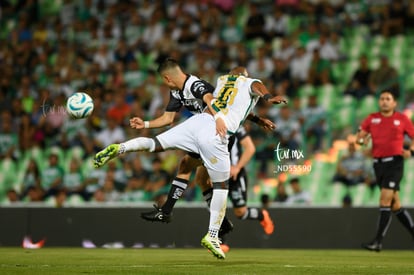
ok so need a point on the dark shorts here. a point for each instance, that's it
(389, 172)
(238, 189)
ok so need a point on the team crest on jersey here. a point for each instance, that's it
(376, 120)
(397, 122)
(176, 94)
(199, 86)
(213, 160)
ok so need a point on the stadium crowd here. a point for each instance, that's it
(110, 49)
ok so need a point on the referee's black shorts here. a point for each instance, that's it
(389, 172)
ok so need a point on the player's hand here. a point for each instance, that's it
(136, 123)
(266, 124)
(221, 127)
(406, 154)
(277, 100)
(234, 171)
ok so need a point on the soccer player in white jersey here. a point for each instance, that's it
(205, 141)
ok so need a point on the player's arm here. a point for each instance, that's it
(410, 151)
(206, 90)
(165, 119)
(261, 90)
(409, 130)
(265, 123)
(248, 151)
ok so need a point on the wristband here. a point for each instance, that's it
(267, 97)
(146, 124)
(255, 119)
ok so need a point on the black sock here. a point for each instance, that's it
(405, 218)
(176, 191)
(253, 214)
(383, 223)
(207, 196)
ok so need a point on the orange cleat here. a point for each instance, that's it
(267, 223)
(225, 247)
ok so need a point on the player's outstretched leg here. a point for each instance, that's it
(132, 145)
(106, 155)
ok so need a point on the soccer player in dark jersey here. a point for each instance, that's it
(387, 129)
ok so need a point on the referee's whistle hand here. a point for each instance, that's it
(406, 154)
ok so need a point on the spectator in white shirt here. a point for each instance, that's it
(299, 196)
(326, 49)
(299, 65)
(111, 134)
(276, 24)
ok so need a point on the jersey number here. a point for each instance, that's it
(226, 97)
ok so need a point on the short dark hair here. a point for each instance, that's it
(294, 180)
(168, 63)
(391, 91)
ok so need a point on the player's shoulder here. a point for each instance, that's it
(199, 85)
(402, 116)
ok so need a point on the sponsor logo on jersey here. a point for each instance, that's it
(195, 103)
(376, 120)
(397, 122)
(199, 86)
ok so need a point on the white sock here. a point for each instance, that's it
(138, 144)
(217, 211)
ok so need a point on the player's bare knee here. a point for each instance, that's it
(187, 164)
(158, 147)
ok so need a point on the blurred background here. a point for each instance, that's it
(329, 58)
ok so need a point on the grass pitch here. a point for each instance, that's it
(200, 261)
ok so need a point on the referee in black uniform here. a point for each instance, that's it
(387, 129)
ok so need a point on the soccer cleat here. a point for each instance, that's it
(225, 228)
(267, 223)
(106, 155)
(156, 215)
(373, 246)
(213, 244)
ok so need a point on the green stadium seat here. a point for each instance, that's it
(319, 182)
(337, 193)
(343, 117)
(50, 7)
(366, 106)
(409, 78)
(407, 188)
(327, 95)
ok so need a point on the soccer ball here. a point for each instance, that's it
(79, 105)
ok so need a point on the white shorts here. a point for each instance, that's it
(198, 135)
